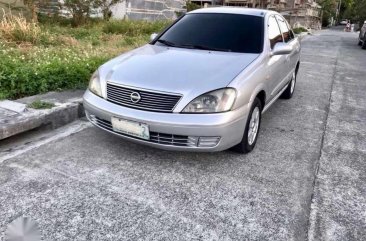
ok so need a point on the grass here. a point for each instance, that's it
(52, 56)
(38, 104)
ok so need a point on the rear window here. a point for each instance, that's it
(216, 31)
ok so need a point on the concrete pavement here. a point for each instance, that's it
(94, 186)
(16, 117)
(339, 207)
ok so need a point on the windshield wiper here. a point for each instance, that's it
(204, 47)
(190, 46)
(166, 42)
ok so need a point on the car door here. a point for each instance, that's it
(295, 42)
(276, 63)
(290, 59)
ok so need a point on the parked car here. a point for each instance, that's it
(200, 85)
(343, 22)
(362, 36)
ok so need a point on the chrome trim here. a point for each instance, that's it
(143, 89)
(135, 97)
(155, 101)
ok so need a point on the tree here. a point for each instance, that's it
(329, 9)
(31, 4)
(360, 11)
(191, 6)
(80, 10)
(105, 6)
(355, 10)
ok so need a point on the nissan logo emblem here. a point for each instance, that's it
(135, 97)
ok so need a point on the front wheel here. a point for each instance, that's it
(359, 43)
(251, 128)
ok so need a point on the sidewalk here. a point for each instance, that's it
(338, 211)
(16, 117)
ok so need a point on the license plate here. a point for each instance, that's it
(131, 128)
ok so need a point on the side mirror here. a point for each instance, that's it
(281, 49)
(153, 36)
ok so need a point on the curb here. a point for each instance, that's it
(61, 114)
(303, 35)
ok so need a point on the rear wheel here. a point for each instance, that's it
(289, 91)
(251, 131)
(359, 43)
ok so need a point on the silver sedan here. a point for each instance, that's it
(200, 85)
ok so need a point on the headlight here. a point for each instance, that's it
(94, 84)
(212, 102)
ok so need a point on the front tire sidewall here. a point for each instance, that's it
(244, 146)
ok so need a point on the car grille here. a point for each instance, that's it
(155, 137)
(151, 101)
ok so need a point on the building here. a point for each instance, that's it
(148, 9)
(303, 13)
(277, 5)
(206, 3)
(299, 13)
(125, 9)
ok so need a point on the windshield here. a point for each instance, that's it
(216, 31)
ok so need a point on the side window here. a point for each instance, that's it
(274, 33)
(292, 35)
(284, 29)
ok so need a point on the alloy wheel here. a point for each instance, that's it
(293, 81)
(253, 126)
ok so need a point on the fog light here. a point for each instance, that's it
(209, 141)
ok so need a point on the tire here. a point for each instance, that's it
(250, 136)
(359, 43)
(289, 91)
(364, 44)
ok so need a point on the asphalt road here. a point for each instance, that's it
(305, 179)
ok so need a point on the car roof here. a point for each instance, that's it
(234, 10)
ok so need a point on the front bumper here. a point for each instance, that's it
(229, 126)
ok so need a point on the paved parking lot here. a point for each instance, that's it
(305, 179)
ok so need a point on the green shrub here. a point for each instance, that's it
(299, 30)
(192, 6)
(133, 42)
(134, 28)
(54, 20)
(39, 104)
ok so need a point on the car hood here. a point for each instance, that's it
(188, 72)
